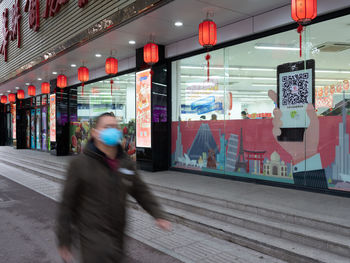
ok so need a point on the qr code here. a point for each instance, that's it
(295, 89)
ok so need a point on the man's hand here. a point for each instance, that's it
(163, 224)
(65, 254)
(311, 135)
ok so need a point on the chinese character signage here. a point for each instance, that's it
(143, 109)
(32, 7)
(53, 117)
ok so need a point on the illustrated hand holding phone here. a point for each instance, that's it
(299, 150)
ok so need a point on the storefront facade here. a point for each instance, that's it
(218, 120)
(226, 125)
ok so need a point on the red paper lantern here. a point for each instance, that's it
(303, 11)
(111, 66)
(83, 76)
(31, 90)
(20, 94)
(150, 53)
(45, 88)
(61, 81)
(12, 97)
(4, 99)
(207, 33)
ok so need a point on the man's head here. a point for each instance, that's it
(244, 114)
(106, 129)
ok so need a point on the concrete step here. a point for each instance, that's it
(43, 158)
(276, 247)
(34, 170)
(307, 235)
(291, 218)
(33, 163)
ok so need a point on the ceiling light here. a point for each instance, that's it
(132, 42)
(27, 83)
(73, 65)
(98, 55)
(178, 23)
(17, 87)
(9, 91)
(276, 47)
(55, 73)
(40, 79)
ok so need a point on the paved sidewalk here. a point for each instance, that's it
(182, 242)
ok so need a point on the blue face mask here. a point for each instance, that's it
(111, 136)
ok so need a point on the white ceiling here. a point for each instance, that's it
(160, 23)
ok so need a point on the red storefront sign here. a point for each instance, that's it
(15, 32)
(33, 7)
(82, 3)
(53, 7)
(5, 34)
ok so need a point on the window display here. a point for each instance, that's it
(230, 123)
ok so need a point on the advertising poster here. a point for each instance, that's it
(13, 115)
(28, 129)
(38, 122)
(143, 109)
(79, 135)
(53, 117)
(32, 129)
(44, 128)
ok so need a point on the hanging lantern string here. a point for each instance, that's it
(300, 31)
(207, 57)
(112, 87)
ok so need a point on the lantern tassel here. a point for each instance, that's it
(207, 57)
(300, 31)
(82, 89)
(112, 87)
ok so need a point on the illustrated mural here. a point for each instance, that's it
(249, 148)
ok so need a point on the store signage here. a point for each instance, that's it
(82, 3)
(53, 117)
(5, 34)
(16, 17)
(143, 109)
(53, 7)
(33, 8)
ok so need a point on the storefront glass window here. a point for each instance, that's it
(227, 124)
(96, 100)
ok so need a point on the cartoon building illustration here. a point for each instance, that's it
(341, 165)
(275, 167)
(202, 143)
(179, 148)
(231, 155)
(221, 156)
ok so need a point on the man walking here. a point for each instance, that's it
(94, 197)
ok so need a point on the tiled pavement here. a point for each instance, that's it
(182, 242)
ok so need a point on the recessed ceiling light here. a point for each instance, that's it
(178, 23)
(17, 87)
(132, 42)
(55, 73)
(27, 83)
(9, 91)
(98, 55)
(73, 65)
(40, 79)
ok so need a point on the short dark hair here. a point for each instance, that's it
(98, 118)
(243, 113)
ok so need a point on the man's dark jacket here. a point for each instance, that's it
(94, 201)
